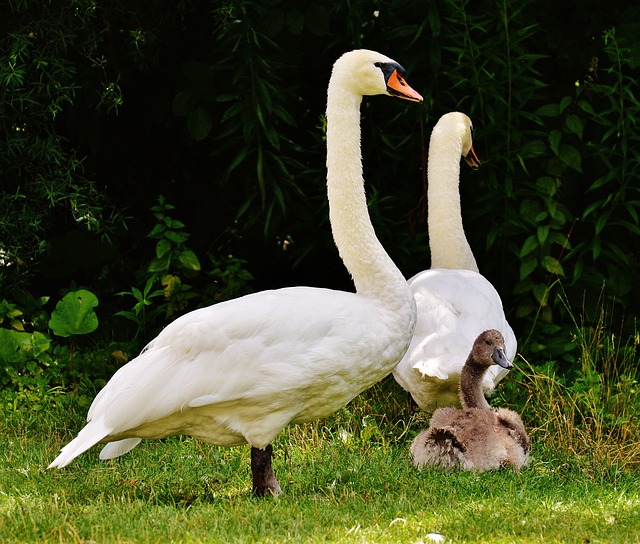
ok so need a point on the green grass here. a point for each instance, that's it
(348, 479)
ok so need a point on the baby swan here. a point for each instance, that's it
(476, 437)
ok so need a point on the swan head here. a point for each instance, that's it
(369, 73)
(488, 349)
(460, 124)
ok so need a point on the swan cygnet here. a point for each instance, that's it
(476, 437)
(239, 371)
(455, 302)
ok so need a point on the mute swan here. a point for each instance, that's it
(239, 371)
(476, 437)
(455, 302)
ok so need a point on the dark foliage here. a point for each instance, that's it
(218, 106)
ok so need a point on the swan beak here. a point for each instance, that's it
(397, 86)
(500, 358)
(472, 159)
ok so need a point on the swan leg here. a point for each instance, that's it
(264, 480)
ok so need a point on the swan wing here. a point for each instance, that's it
(291, 354)
(454, 307)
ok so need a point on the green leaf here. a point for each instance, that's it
(596, 249)
(183, 103)
(19, 347)
(199, 124)
(530, 244)
(578, 267)
(189, 260)
(137, 294)
(162, 247)
(157, 231)
(540, 217)
(434, 19)
(547, 184)
(177, 237)
(533, 148)
(74, 314)
(550, 110)
(571, 157)
(632, 208)
(159, 265)
(527, 266)
(554, 141)
(543, 233)
(238, 159)
(602, 221)
(174, 223)
(233, 111)
(541, 293)
(14, 346)
(574, 125)
(591, 208)
(586, 107)
(552, 265)
(564, 103)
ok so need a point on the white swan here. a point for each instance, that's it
(476, 437)
(455, 302)
(239, 371)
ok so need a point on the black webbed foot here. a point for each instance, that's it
(264, 480)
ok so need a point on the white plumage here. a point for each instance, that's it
(455, 302)
(239, 371)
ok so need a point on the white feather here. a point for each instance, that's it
(116, 449)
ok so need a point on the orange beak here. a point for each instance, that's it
(472, 159)
(397, 86)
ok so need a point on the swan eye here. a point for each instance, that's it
(389, 67)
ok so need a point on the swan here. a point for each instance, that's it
(239, 371)
(475, 437)
(455, 302)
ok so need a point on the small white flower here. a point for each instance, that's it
(435, 537)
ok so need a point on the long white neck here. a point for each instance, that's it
(447, 241)
(373, 272)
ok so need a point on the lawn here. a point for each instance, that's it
(347, 479)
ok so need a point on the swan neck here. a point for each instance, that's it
(447, 240)
(372, 270)
(471, 395)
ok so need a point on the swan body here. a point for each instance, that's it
(239, 371)
(475, 437)
(455, 302)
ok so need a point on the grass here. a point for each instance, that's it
(348, 479)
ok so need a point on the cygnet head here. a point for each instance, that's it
(488, 349)
(458, 123)
(370, 73)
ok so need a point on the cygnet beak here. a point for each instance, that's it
(500, 358)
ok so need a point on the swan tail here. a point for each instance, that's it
(87, 437)
(118, 448)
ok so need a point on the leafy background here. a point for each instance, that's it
(168, 155)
